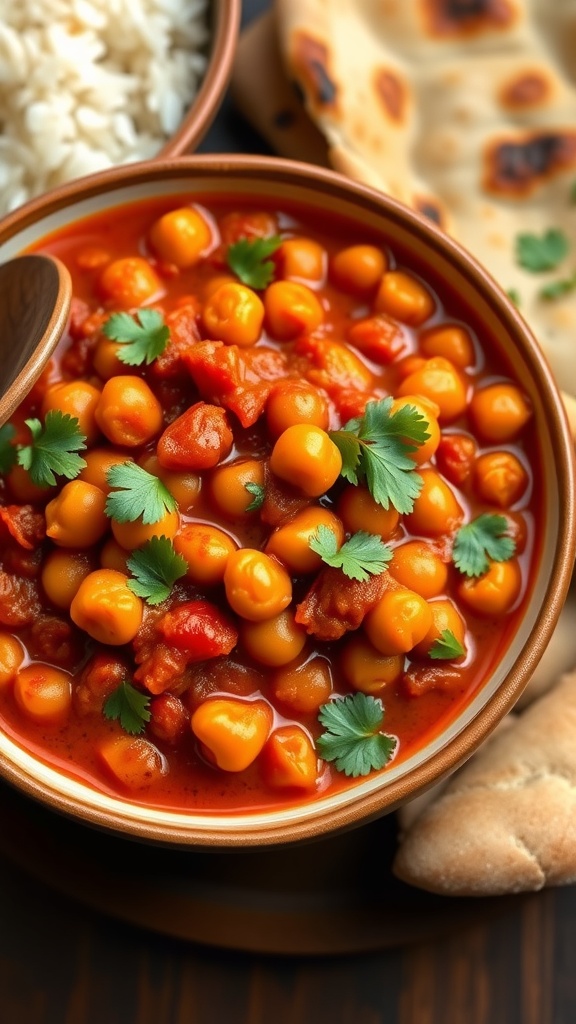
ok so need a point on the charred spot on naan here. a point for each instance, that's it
(431, 208)
(310, 62)
(517, 165)
(392, 92)
(458, 18)
(532, 87)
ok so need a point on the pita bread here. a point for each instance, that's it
(466, 112)
(515, 808)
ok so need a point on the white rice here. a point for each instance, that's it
(85, 84)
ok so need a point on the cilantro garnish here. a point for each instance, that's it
(129, 706)
(139, 494)
(248, 258)
(353, 739)
(155, 566)
(482, 539)
(514, 296)
(143, 337)
(360, 557)
(259, 493)
(446, 647)
(573, 192)
(536, 253)
(377, 447)
(556, 289)
(8, 451)
(53, 448)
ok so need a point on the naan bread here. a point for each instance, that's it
(463, 109)
(506, 822)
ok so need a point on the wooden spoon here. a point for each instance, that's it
(35, 295)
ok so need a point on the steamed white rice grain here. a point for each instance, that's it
(86, 84)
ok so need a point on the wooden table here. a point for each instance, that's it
(62, 963)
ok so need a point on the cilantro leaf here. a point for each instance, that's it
(155, 566)
(446, 647)
(536, 253)
(248, 258)
(573, 192)
(8, 452)
(557, 289)
(129, 706)
(259, 493)
(353, 739)
(360, 557)
(377, 447)
(53, 449)
(140, 494)
(143, 337)
(483, 538)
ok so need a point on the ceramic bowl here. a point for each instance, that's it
(254, 178)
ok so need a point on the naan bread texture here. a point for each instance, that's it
(466, 111)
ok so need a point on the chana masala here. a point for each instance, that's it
(268, 519)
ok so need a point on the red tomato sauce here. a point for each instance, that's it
(380, 325)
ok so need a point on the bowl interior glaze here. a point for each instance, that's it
(431, 250)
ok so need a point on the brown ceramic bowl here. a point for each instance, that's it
(225, 25)
(440, 260)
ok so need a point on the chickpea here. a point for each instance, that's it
(128, 412)
(307, 458)
(500, 478)
(92, 258)
(11, 658)
(301, 258)
(234, 314)
(291, 309)
(44, 693)
(75, 398)
(445, 616)
(106, 361)
(398, 622)
(23, 489)
(430, 412)
(294, 402)
(181, 237)
(206, 550)
(289, 760)
(416, 566)
(62, 574)
(436, 509)
(450, 341)
(499, 412)
(106, 609)
(495, 592)
(232, 731)
(358, 511)
(184, 486)
(134, 535)
(366, 670)
(257, 587)
(404, 297)
(273, 642)
(304, 687)
(214, 283)
(439, 381)
(114, 556)
(75, 518)
(99, 462)
(133, 761)
(358, 268)
(227, 486)
(290, 543)
(130, 282)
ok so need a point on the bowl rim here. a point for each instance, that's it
(224, 31)
(277, 172)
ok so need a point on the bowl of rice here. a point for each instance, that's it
(89, 84)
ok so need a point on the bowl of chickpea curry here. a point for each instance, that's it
(287, 520)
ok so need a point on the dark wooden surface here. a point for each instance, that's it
(61, 963)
